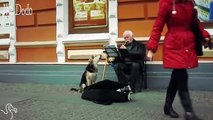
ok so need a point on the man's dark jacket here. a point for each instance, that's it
(136, 52)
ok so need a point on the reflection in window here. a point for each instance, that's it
(88, 16)
(205, 10)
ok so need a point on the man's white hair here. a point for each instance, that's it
(128, 32)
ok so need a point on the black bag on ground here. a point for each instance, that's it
(104, 92)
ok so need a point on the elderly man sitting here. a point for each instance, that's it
(128, 69)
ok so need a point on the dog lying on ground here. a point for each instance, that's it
(90, 74)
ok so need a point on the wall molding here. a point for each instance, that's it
(35, 44)
(4, 55)
(83, 54)
(86, 43)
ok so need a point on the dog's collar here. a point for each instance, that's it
(91, 68)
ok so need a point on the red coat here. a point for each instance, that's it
(179, 43)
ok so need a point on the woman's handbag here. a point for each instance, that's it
(198, 38)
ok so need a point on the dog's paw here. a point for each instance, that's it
(73, 89)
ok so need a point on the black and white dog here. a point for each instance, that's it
(90, 74)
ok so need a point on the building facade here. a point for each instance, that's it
(62, 31)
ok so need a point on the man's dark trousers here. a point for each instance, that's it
(128, 73)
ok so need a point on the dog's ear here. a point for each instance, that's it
(91, 58)
(100, 56)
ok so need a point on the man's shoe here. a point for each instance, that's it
(129, 96)
(125, 89)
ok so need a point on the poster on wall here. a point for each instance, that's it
(90, 13)
(4, 15)
(205, 10)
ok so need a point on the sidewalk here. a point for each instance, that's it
(56, 102)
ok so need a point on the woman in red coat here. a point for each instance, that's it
(179, 50)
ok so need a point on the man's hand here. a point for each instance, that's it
(150, 55)
(123, 47)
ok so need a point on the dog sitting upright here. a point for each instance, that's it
(90, 74)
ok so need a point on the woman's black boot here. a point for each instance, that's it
(191, 116)
(186, 102)
(170, 96)
(168, 110)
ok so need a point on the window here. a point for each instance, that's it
(94, 25)
(205, 12)
(99, 22)
(205, 15)
(88, 16)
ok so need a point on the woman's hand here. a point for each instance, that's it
(208, 43)
(207, 39)
(150, 55)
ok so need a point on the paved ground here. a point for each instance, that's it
(56, 102)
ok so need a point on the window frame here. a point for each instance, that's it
(62, 19)
(87, 28)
